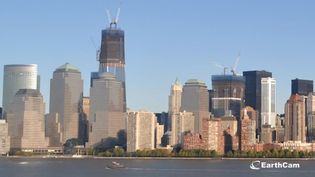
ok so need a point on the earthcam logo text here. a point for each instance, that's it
(258, 165)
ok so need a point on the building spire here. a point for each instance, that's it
(177, 81)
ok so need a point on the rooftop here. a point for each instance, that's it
(67, 67)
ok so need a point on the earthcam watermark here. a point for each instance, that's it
(258, 165)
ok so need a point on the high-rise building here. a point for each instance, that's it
(183, 122)
(174, 102)
(66, 92)
(211, 133)
(295, 119)
(311, 116)
(26, 121)
(16, 77)
(84, 120)
(253, 92)
(266, 134)
(228, 95)
(107, 116)
(195, 99)
(112, 55)
(268, 102)
(301, 87)
(248, 128)
(159, 133)
(140, 131)
(4, 138)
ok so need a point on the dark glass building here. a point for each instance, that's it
(301, 87)
(228, 95)
(253, 91)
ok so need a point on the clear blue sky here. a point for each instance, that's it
(165, 39)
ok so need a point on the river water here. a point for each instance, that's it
(37, 167)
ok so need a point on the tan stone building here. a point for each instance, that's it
(107, 117)
(174, 102)
(159, 132)
(141, 131)
(295, 129)
(26, 121)
(211, 133)
(183, 122)
(66, 92)
(195, 98)
(266, 134)
(247, 128)
(219, 134)
(4, 138)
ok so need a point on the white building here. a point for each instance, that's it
(268, 101)
(141, 131)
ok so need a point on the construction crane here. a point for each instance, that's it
(233, 69)
(113, 21)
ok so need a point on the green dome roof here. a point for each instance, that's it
(67, 67)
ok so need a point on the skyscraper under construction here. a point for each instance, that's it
(112, 55)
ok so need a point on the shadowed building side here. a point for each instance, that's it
(107, 117)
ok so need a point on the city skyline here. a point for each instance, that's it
(269, 39)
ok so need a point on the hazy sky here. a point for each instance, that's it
(164, 39)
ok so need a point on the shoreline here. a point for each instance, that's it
(151, 158)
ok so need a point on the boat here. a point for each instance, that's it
(23, 163)
(115, 165)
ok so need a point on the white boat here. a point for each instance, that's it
(115, 165)
(23, 163)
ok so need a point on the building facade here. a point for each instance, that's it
(16, 77)
(174, 102)
(295, 129)
(4, 138)
(26, 121)
(112, 55)
(107, 116)
(140, 131)
(268, 102)
(183, 122)
(311, 116)
(66, 92)
(195, 99)
(228, 98)
(247, 128)
(301, 87)
(253, 92)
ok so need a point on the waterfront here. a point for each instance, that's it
(37, 167)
